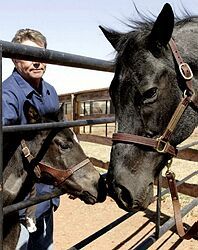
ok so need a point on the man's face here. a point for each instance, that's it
(31, 71)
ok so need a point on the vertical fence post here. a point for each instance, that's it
(76, 112)
(106, 112)
(72, 107)
(91, 113)
(84, 113)
(159, 197)
(1, 156)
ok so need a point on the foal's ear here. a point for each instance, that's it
(162, 29)
(112, 36)
(31, 113)
(61, 113)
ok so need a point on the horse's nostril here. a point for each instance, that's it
(125, 195)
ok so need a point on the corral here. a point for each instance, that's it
(17, 51)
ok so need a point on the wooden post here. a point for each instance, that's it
(76, 113)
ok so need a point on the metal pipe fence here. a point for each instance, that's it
(64, 124)
(18, 51)
(166, 226)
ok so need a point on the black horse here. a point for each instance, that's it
(49, 156)
(149, 83)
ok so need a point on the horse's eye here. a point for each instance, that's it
(150, 95)
(63, 145)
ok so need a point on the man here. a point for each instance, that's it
(26, 83)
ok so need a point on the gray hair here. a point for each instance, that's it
(30, 34)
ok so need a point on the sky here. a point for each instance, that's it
(71, 26)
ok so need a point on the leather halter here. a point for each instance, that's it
(58, 175)
(162, 144)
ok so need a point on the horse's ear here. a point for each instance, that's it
(162, 29)
(61, 113)
(112, 36)
(31, 113)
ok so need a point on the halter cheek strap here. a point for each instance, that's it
(59, 175)
(185, 71)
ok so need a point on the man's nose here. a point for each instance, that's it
(36, 65)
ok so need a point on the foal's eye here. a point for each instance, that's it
(150, 95)
(63, 145)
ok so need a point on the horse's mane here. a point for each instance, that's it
(140, 27)
(146, 22)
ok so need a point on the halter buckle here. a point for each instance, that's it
(185, 71)
(161, 145)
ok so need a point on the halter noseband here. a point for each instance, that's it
(162, 144)
(58, 175)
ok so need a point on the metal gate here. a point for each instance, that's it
(18, 51)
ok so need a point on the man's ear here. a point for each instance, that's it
(31, 113)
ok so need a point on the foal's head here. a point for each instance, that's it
(58, 157)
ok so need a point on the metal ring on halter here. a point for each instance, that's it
(168, 165)
(189, 70)
(185, 93)
(161, 145)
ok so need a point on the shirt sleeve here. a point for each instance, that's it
(10, 108)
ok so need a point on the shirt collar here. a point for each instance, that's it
(26, 87)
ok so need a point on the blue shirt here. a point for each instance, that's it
(15, 91)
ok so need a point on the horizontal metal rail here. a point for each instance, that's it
(188, 145)
(30, 53)
(171, 222)
(166, 226)
(64, 124)
(178, 183)
(34, 200)
(31, 201)
(57, 192)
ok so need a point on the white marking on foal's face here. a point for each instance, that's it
(75, 137)
(13, 184)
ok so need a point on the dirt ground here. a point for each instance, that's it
(75, 221)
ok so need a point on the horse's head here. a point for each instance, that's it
(62, 161)
(145, 91)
